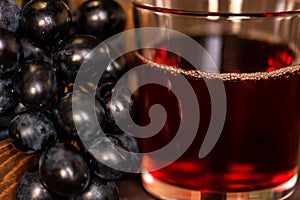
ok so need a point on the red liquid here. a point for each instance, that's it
(259, 142)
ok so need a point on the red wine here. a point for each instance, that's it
(259, 142)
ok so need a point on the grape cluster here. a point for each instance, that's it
(42, 46)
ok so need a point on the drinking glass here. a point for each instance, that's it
(246, 82)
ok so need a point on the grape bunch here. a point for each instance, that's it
(42, 46)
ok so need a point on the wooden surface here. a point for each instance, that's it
(13, 164)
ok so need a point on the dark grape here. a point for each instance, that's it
(36, 84)
(109, 162)
(24, 2)
(9, 15)
(32, 131)
(68, 58)
(101, 18)
(11, 52)
(33, 52)
(30, 187)
(114, 71)
(8, 100)
(120, 106)
(104, 92)
(45, 22)
(117, 107)
(130, 143)
(63, 170)
(99, 190)
(64, 119)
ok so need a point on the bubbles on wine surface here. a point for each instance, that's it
(237, 59)
(254, 76)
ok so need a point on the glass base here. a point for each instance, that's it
(166, 191)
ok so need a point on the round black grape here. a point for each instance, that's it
(117, 107)
(9, 15)
(130, 143)
(11, 52)
(68, 58)
(8, 99)
(24, 2)
(45, 22)
(6, 118)
(114, 71)
(64, 119)
(104, 92)
(109, 162)
(99, 190)
(63, 170)
(36, 84)
(32, 51)
(30, 187)
(32, 131)
(120, 107)
(101, 18)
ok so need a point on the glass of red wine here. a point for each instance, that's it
(246, 141)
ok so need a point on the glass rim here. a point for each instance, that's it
(185, 12)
